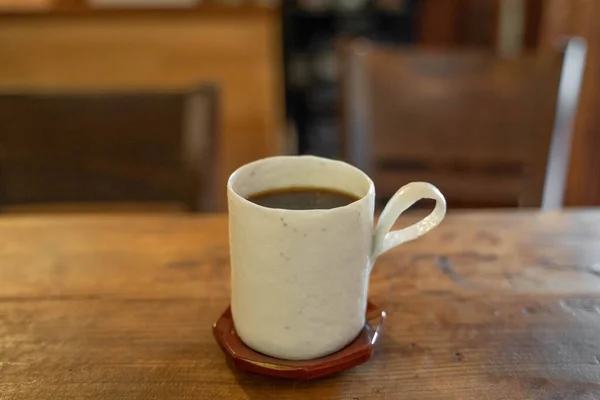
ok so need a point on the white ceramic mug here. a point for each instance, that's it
(299, 278)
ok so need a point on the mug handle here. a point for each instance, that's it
(405, 197)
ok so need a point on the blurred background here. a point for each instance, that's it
(149, 105)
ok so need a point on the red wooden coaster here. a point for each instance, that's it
(246, 359)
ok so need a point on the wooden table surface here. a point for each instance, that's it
(491, 305)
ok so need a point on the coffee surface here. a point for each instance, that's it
(302, 198)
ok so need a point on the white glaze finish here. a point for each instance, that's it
(299, 279)
(405, 197)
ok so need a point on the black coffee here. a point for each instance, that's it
(302, 198)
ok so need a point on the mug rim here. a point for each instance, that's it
(233, 176)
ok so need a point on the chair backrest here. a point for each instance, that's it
(477, 125)
(108, 148)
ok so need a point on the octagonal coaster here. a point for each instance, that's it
(246, 359)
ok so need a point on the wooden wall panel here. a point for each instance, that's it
(447, 23)
(533, 23)
(580, 17)
(438, 22)
(240, 52)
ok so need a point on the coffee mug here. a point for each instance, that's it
(300, 278)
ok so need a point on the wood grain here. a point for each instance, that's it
(238, 51)
(491, 305)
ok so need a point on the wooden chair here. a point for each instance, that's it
(488, 131)
(114, 151)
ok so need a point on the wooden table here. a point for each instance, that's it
(496, 305)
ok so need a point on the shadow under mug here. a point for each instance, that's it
(300, 278)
